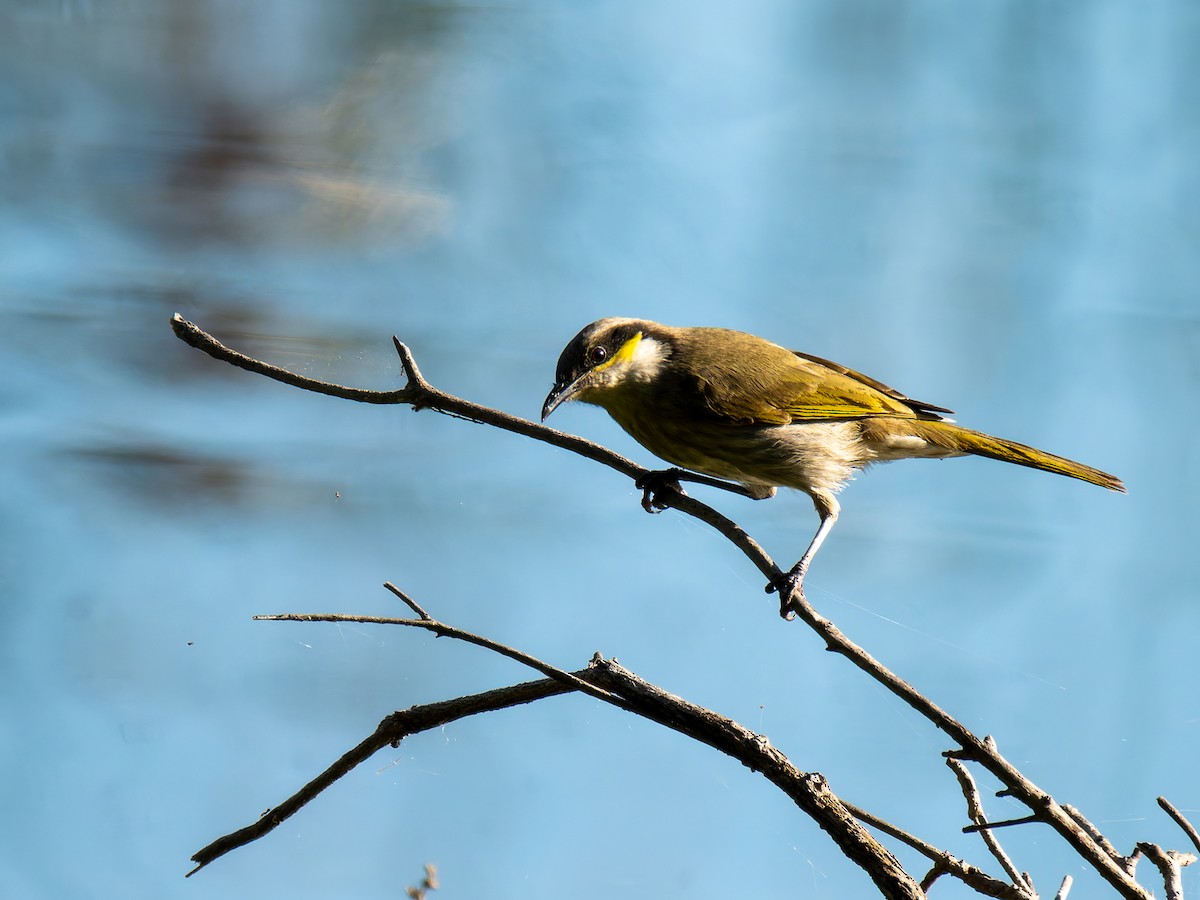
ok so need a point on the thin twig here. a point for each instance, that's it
(570, 680)
(607, 681)
(412, 604)
(390, 732)
(194, 336)
(1188, 828)
(976, 814)
(943, 862)
(980, 827)
(972, 747)
(1170, 864)
(809, 791)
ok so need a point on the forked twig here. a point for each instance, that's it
(943, 863)
(977, 815)
(420, 394)
(607, 681)
(1170, 865)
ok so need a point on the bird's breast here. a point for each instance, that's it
(812, 456)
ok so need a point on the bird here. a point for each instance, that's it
(740, 408)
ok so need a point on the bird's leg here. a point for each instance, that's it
(792, 584)
(660, 481)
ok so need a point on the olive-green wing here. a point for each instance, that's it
(779, 387)
(920, 407)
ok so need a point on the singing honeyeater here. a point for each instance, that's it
(738, 407)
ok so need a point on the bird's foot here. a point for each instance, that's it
(790, 587)
(654, 485)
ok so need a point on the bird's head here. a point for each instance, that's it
(605, 357)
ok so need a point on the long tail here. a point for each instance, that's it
(963, 440)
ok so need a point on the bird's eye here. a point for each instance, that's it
(597, 355)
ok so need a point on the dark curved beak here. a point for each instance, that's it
(560, 394)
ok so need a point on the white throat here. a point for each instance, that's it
(647, 361)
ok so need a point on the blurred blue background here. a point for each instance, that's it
(995, 210)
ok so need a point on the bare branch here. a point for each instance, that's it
(1188, 828)
(194, 336)
(411, 603)
(809, 791)
(1064, 888)
(1128, 863)
(976, 814)
(568, 679)
(972, 747)
(419, 394)
(931, 877)
(390, 732)
(980, 827)
(409, 365)
(1170, 863)
(943, 862)
(983, 751)
(608, 681)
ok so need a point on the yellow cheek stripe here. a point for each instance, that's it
(624, 355)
